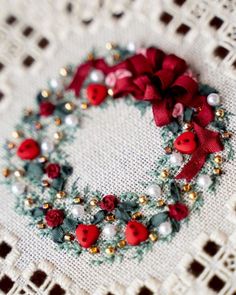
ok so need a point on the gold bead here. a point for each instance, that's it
(165, 173)
(137, 215)
(110, 92)
(58, 135)
(90, 56)
(17, 134)
(110, 45)
(143, 200)
(61, 195)
(84, 106)
(121, 244)
(93, 250)
(68, 237)
(45, 183)
(57, 121)
(77, 200)
(93, 202)
(63, 72)
(6, 172)
(110, 250)
(220, 113)
(11, 145)
(218, 159)
(45, 93)
(168, 150)
(187, 187)
(42, 159)
(110, 217)
(69, 106)
(160, 203)
(47, 206)
(188, 126)
(227, 134)
(153, 237)
(38, 126)
(28, 112)
(29, 202)
(41, 225)
(116, 56)
(192, 196)
(217, 171)
(19, 173)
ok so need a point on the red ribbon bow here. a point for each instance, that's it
(208, 142)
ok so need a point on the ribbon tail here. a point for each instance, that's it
(192, 168)
(162, 113)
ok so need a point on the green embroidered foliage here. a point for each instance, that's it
(122, 215)
(69, 224)
(175, 225)
(34, 170)
(66, 170)
(61, 110)
(58, 234)
(128, 205)
(99, 217)
(58, 183)
(157, 219)
(188, 114)
(175, 191)
(205, 89)
(174, 127)
(37, 212)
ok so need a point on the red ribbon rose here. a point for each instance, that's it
(54, 217)
(178, 211)
(53, 170)
(108, 203)
(46, 108)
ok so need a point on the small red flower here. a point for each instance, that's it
(109, 203)
(54, 217)
(46, 108)
(53, 170)
(178, 211)
(28, 149)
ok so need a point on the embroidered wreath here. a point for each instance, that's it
(193, 128)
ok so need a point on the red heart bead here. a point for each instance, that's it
(185, 143)
(87, 234)
(28, 150)
(135, 233)
(96, 93)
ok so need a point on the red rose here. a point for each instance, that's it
(46, 108)
(178, 211)
(28, 150)
(53, 170)
(54, 217)
(109, 203)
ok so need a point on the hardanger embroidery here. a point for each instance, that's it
(193, 126)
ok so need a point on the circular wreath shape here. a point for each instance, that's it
(194, 132)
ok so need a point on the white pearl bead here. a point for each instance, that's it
(78, 211)
(54, 84)
(97, 76)
(213, 99)
(18, 188)
(165, 229)
(176, 159)
(109, 230)
(204, 181)
(47, 145)
(71, 120)
(131, 47)
(154, 190)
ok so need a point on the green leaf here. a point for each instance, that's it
(174, 127)
(219, 125)
(60, 109)
(175, 191)
(66, 170)
(205, 89)
(37, 212)
(128, 205)
(70, 224)
(157, 219)
(99, 217)
(58, 183)
(34, 170)
(188, 114)
(122, 215)
(175, 225)
(58, 234)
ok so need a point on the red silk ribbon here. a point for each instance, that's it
(208, 142)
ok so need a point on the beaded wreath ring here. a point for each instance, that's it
(193, 126)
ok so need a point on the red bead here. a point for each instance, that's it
(96, 93)
(87, 234)
(28, 150)
(135, 233)
(185, 143)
